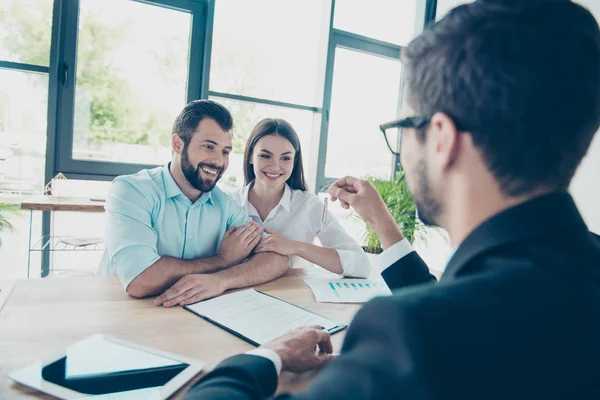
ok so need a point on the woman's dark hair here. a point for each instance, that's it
(280, 127)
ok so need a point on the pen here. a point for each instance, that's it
(324, 214)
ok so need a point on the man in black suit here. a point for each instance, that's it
(503, 100)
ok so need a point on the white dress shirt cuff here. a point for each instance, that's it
(394, 253)
(355, 263)
(268, 354)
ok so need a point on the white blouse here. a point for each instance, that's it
(298, 217)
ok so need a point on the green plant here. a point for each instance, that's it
(7, 209)
(400, 202)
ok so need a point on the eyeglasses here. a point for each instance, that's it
(410, 122)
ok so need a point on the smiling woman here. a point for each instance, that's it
(279, 134)
(276, 197)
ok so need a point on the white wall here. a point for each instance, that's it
(585, 187)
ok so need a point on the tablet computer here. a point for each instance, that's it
(109, 368)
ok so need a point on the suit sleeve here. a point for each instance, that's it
(383, 357)
(239, 377)
(406, 271)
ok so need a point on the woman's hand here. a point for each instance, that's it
(277, 243)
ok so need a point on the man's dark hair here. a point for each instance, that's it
(187, 121)
(522, 77)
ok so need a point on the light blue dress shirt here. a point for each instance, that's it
(149, 217)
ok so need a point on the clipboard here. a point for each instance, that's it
(225, 323)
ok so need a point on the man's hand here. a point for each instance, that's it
(276, 243)
(191, 289)
(298, 349)
(363, 197)
(237, 243)
(359, 194)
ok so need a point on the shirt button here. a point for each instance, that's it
(189, 237)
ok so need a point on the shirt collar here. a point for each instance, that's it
(172, 190)
(285, 202)
(206, 197)
(286, 199)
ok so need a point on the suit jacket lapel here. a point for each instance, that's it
(553, 213)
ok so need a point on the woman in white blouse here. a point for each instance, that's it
(275, 196)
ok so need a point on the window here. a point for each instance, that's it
(270, 49)
(245, 116)
(365, 94)
(592, 5)
(274, 69)
(23, 114)
(443, 6)
(23, 105)
(25, 31)
(132, 68)
(389, 21)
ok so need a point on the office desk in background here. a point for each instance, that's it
(48, 243)
(46, 203)
(43, 316)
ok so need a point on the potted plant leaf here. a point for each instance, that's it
(399, 201)
(6, 210)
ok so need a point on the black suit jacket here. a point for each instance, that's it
(516, 314)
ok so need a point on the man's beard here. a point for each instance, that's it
(428, 208)
(193, 174)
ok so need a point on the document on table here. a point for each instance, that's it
(256, 317)
(347, 290)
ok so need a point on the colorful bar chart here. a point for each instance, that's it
(346, 290)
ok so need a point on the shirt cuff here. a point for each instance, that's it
(355, 263)
(268, 354)
(394, 253)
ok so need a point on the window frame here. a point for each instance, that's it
(63, 59)
(66, 67)
(351, 41)
(354, 42)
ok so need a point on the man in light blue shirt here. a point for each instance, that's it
(170, 231)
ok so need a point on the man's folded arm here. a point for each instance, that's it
(259, 268)
(131, 242)
(162, 274)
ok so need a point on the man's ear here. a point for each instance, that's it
(177, 143)
(444, 133)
